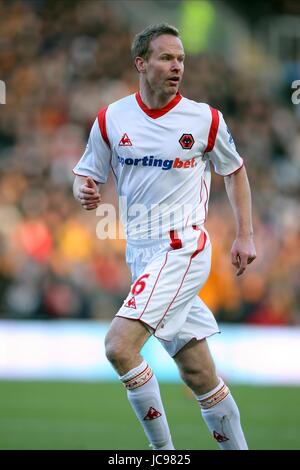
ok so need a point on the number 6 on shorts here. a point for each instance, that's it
(139, 285)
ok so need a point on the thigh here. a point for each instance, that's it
(129, 334)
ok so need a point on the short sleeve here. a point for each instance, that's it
(224, 156)
(95, 162)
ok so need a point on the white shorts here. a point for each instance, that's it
(167, 276)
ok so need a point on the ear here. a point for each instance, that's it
(140, 64)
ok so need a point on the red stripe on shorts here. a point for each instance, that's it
(175, 294)
(200, 247)
(166, 258)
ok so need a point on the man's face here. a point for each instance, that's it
(164, 68)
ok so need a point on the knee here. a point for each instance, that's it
(114, 349)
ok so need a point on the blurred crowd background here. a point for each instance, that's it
(63, 61)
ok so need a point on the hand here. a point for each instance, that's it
(242, 253)
(88, 195)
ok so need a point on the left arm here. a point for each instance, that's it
(238, 191)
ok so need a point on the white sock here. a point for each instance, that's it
(222, 417)
(144, 396)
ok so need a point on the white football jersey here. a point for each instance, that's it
(161, 161)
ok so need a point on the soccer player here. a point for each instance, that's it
(160, 146)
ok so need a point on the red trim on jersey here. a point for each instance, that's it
(156, 113)
(213, 130)
(102, 124)
(200, 244)
(176, 243)
(235, 171)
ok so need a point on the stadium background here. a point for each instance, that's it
(61, 62)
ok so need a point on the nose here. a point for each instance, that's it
(176, 65)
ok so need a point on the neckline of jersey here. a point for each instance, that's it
(156, 113)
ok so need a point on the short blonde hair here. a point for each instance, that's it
(141, 43)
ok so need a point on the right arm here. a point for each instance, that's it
(229, 164)
(92, 169)
(85, 190)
